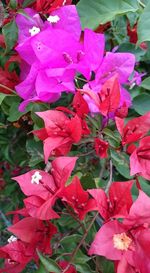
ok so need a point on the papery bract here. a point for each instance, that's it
(60, 132)
(42, 188)
(139, 211)
(107, 100)
(140, 159)
(135, 128)
(33, 231)
(101, 147)
(46, 6)
(118, 202)
(78, 198)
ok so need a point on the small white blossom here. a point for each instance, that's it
(34, 30)
(53, 19)
(12, 239)
(36, 177)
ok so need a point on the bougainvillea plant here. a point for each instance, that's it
(74, 136)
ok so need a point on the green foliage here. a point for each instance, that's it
(13, 4)
(10, 33)
(27, 3)
(141, 103)
(143, 25)
(146, 83)
(102, 11)
(35, 150)
(49, 264)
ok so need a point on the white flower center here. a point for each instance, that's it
(34, 30)
(12, 239)
(36, 177)
(121, 241)
(53, 19)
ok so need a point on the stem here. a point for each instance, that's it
(141, 3)
(102, 170)
(80, 79)
(81, 242)
(3, 217)
(84, 154)
(48, 167)
(7, 88)
(74, 217)
(110, 178)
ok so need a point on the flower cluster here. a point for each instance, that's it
(56, 56)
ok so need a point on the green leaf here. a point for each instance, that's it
(41, 269)
(84, 268)
(121, 162)
(131, 48)
(10, 32)
(35, 150)
(146, 83)
(81, 258)
(27, 3)
(145, 185)
(70, 242)
(2, 96)
(49, 264)
(143, 27)
(13, 4)
(141, 104)
(14, 114)
(95, 12)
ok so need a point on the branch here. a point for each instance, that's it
(7, 88)
(48, 167)
(81, 242)
(110, 178)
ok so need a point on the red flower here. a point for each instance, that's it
(108, 99)
(77, 198)
(101, 147)
(132, 33)
(134, 129)
(118, 202)
(60, 132)
(42, 188)
(16, 254)
(35, 232)
(32, 234)
(46, 6)
(140, 159)
(80, 105)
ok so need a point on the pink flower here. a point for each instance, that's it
(140, 159)
(60, 132)
(43, 188)
(128, 243)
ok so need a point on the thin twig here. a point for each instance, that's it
(48, 167)
(9, 89)
(80, 79)
(81, 242)
(84, 154)
(3, 217)
(110, 178)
